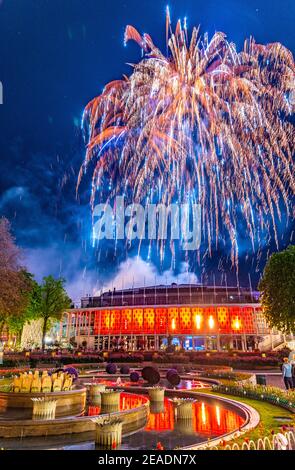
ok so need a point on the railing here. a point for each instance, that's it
(163, 299)
(279, 441)
(271, 342)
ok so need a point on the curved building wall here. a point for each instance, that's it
(101, 327)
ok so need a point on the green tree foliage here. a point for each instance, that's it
(15, 282)
(277, 288)
(15, 322)
(50, 302)
(21, 298)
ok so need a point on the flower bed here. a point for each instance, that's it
(238, 360)
(246, 361)
(125, 357)
(7, 373)
(171, 359)
(272, 395)
(32, 359)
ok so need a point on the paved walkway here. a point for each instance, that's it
(273, 377)
(275, 380)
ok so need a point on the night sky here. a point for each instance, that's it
(56, 55)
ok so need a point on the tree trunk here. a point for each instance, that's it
(2, 322)
(44, 329)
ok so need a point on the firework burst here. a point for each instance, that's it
(202, 122)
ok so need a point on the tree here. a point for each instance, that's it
(15, 283)
(277, 288)
(16, 322)
(52, 301)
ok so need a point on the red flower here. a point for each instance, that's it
(160, 446)
(114, 445)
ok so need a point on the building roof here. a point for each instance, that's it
(174, 294)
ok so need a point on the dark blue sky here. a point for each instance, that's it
(55, 55)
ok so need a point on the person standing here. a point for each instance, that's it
(293, 373)
(287, 374)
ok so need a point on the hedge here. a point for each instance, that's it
(273, 395)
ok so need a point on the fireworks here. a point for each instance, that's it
(204, 123)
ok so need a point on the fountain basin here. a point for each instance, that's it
(69, 403)
(133, 419)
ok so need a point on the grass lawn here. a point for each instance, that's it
(268, 414)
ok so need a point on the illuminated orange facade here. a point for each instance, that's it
(174, 320)
(145, 318)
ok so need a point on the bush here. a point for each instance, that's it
(111, 369)
(7, 373)
(173, 377)
(151, 375)
(171, 371)
(125, 370)
(238, 360)
(274, 395)
(72, 371)
(134, 377)
(171, 358)
(15, 363)
(148, 356)
(125, 357)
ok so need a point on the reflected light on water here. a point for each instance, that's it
(218, 415)
(207, 419)
(127, 402)
(203, 413)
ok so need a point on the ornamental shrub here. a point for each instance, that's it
(134, 377)
(151, 375)
(72, 371)
(125, 357)
(173, 377)
(111, 369)
(125, 370)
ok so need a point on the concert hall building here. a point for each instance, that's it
(192, 317)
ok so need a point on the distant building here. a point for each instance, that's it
(192, 317)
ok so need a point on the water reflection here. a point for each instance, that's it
(185, 384)
(206, 419)
(127, 402)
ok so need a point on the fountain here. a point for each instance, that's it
(44, 408)
(108, 432)
(157, 407)
(156, 394)
(33, 383)
(26, 389)
(95, 392)
(183, 408)
(110, 401)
